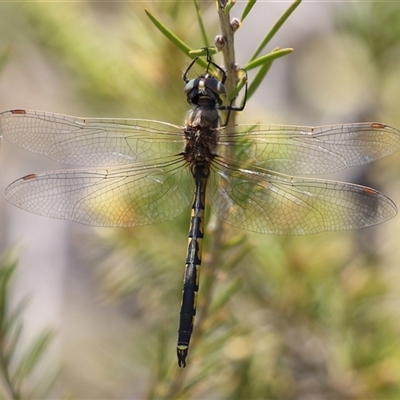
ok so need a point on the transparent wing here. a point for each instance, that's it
(266, 202)
(96, 142)
(285, 149)
(297, 150)
(132, 195)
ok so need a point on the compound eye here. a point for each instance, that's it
(193, 83)
(216, 86)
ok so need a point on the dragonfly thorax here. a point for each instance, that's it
(204, 115)
(201, 134)
(203, 120)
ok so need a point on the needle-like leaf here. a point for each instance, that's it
(201, 24)
(228, 6)
(265, 62)
(268, 58)
(247, 9)
(168, 33)
(33, 355)
(233, 94)
(275, 28)
(255, 83)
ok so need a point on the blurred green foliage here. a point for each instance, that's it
(287, 318)
(377, 26)
(19, 377)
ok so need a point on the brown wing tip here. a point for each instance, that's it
(30, 176)
(18, 111)
(378, 125)
(370, 190)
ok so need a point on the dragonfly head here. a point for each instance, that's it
(205, 86)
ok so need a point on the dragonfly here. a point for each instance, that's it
(140, 171)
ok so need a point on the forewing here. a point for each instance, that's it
(96, 142)
(120, 196)
(297, 150)
(272, 203)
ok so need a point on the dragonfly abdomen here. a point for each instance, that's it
(193, 262)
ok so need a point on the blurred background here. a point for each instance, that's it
(313, 317)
